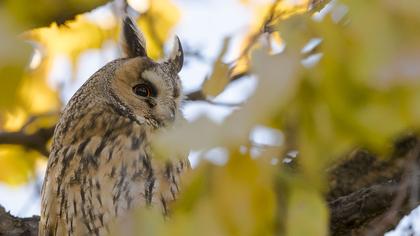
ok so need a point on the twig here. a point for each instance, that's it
(34, 118)
(262, 29)
(199, 95)
(194, 53)
(316, 5)
(225, 104)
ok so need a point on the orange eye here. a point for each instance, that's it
(142, 90)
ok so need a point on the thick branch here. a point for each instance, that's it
(367, 192)
(14, 226)
(351, 212)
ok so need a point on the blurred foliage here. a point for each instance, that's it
(12, 62)
(235, 199)
(42, 12)
(219, 79)
(16, 165)
(156, 23)
(363, 91)
(359, 89)
(73, 38)
(265, 14)
(26, 91)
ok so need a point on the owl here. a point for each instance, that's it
(101, 163)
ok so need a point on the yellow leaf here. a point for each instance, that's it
(244, 197)
(72, 38)
(307, 213)
(156, 24)
(236, 199)
(220, 75)
(265, 15)
(36, 94)
(16, 165)
(14, 120)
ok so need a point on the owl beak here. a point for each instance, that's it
(176, 58)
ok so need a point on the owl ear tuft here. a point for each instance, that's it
(176, 58)
(132, 40)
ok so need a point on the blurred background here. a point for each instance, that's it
(202, 27)
(48, 51)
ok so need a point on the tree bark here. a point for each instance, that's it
(14, 226)
(369, 195)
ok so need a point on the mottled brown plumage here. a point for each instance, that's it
(101, 164)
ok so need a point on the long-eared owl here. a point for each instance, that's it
(101, 163)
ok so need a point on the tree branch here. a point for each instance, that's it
(253, 38)
(350, 212)
(198, 95)
(369, 195)
(36, 141)
(14, 226)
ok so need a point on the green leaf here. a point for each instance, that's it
(14, 56)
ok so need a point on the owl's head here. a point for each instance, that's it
(149, 90)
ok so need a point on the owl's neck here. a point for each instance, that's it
(101, 121)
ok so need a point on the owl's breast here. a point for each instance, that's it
(99, 179)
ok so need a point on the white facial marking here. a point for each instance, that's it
(141, 119)
(150, 75)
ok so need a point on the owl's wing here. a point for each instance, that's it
(93, 181)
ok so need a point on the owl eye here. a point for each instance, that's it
(142, 90)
